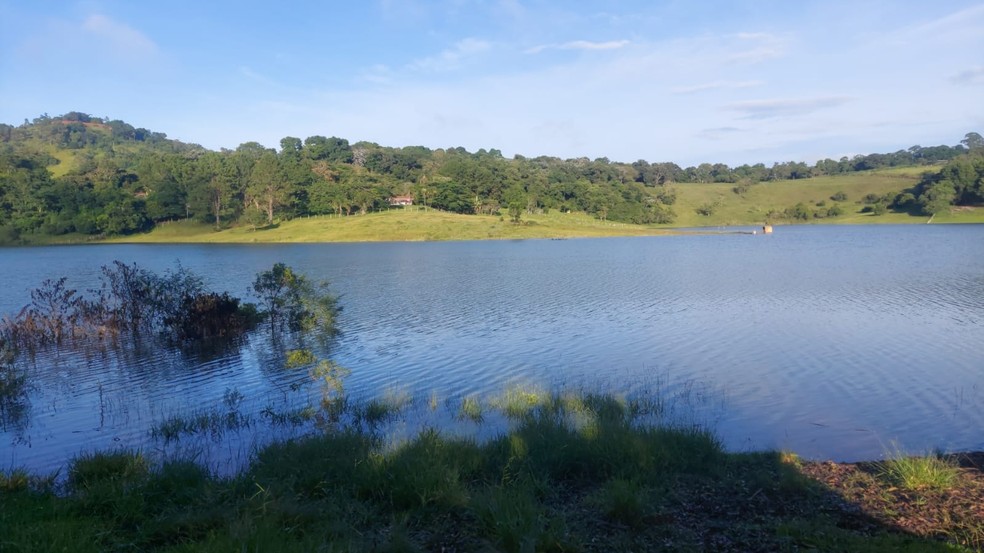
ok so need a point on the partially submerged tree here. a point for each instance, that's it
(290, 300)
(134, 301)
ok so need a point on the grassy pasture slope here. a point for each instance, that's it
(750, 208)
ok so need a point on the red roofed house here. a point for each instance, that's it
(401, 200)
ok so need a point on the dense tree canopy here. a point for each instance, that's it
(960, 182)
(82, 174)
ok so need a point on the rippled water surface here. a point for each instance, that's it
(834, 342)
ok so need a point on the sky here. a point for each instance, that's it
(741, 81)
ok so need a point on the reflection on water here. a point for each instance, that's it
(830, 341)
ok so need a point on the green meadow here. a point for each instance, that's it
(404, 224)
(751, 207)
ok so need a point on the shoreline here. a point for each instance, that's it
(395, 227)
(544, 482)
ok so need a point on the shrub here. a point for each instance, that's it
(706, 209)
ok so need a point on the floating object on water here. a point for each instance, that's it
(767, 229)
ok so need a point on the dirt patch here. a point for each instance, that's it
(954, 514)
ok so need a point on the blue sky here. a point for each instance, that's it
(683, 81)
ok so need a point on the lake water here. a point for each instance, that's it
(832, 341)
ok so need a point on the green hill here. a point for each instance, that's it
(77, 177)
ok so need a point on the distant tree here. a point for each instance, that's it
(451, 196)
(167, 202)
(267, 189)
(938, 197)
(516, 202)
(334, 150)
(973, 141)
(290, 145)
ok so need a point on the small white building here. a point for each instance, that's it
(401, 201)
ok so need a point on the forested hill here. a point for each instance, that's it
(91, 176)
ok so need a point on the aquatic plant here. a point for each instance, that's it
(517, 401)
(383, 408)
(471, 409)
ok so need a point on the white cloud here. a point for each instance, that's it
(716, 85)
(512, 8)
(718, 133)
(756, 48)
(125, 40)
(959, 25)
(452, 58)
(580, 45)
(692, 98)
(767, 109)
(377, 74)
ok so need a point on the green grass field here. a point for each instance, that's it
(413, 224)
(728, 209)
(752, 206)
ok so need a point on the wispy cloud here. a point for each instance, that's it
(964, 23)
(452, 58)
(580, 45)
(719, 133)
(972, 76)
(511, 8)
(125, 40)
(757, 47)
(715, 86)
(256, 76)
(767, 109)
(377, 74)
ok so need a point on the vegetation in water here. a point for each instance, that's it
(13, 390)
(291, 300)
(134, 302)
(572, 472)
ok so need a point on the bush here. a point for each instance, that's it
(800, 211)
(705, 209)
(875, 209)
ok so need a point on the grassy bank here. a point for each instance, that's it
(697, 205)
(412, 224)
(572, 473)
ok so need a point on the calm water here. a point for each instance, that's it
(835, 342)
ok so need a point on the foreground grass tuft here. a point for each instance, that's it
(930, 472)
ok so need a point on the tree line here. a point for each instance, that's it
(77, 173)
